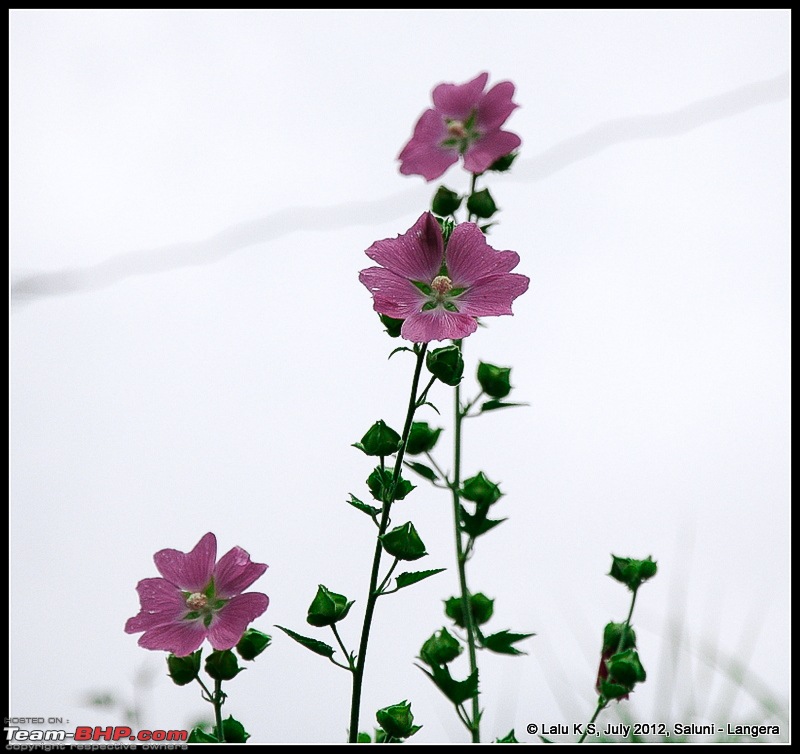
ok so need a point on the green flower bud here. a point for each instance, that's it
(392, 325)
(380, 485)
(482, 609)
(403, 542)
(633, 573)
(421, 438)
(440, 649)
(626, 669)
(222, 665)
(397, 720)
(380, 440)
(612, 634)
(184, 670)
(480, 490)
(481, 204)
(328, 608)
(613, 690)
(252, 644)
(494, 380)
(445, 201)
(446, 364)
(234, 731)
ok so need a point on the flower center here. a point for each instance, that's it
(457, 129)
(442, 285)
(197, 601)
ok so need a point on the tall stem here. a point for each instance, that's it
(218, 710)
(372, 596)
(461, 560)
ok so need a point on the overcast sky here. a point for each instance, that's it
(191, 350)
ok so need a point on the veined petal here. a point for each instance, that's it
(189, 571)
(230, 622)
(470, 258)
(495, 106)
(438, 324)
(416, 254)
(161, 603)
(423, 155)
(492, 296)
(489, 148)
(181, 638)
(394, 296)
(459, 100)
(235, 572)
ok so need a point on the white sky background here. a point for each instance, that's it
(212, 375)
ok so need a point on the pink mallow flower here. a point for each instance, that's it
(440, 293)
(198, 599)
(466, 121)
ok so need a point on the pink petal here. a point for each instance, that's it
(235, 572)
(231, 621)
(489, 148)
(493, 295)
(470, 258)
(181, 638)
(438, 324)
(160, 602)
(416, 254)
(394, 296)
(190, 572)
(495, 106)
(423, 155)
(459, 100)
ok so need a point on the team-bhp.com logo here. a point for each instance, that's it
(88, 733)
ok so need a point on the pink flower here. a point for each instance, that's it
(440, 293)
(464, 121)
(198, 599)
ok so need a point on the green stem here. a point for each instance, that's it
(344, 650)
(218, 709)
(461, 561)
(472, 191)
(601, 705)
(372, 595)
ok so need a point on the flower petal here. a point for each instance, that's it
(495, 106)
(459, 100)
(470, 258)
(416, 254)
(423, 155)
(235, 572)
(438, 324)
(394, 296)
(181, 638)
(189, 571)
(231, 621)
(492, 296)
(489, 148)
(161, 603)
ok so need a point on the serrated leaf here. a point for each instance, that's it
(502, 642)
(199, 736)
(319, 647)
(370, 510)
(456, 691)
(509, 738)
(423, 470)
(412, 577)
(493, 405)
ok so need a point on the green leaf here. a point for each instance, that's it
(409, 578)
(404, 542)
(501, 164)
(327, 608)
(456, 691)
(234, 731)
(503, 641)
(401, 348)
(319, 647)
(392, 325)
(370, 510)
(423, 470)
(493, 405)
(509, 738)
(478, 524)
